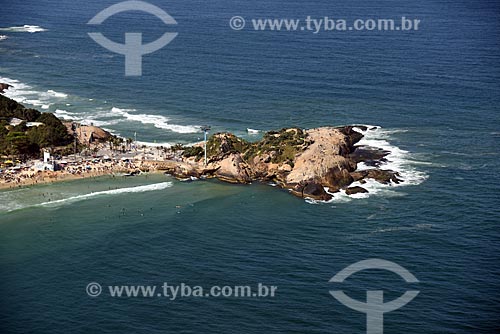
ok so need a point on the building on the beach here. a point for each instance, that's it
(32, 124)
(43, 166)
(15, 121)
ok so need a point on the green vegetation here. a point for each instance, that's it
(24, 142)
(281, 146)
(223, 143)
(193, 151)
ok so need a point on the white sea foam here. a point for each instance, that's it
(138, 189)
(18, 199)
(57, 94)
(25, 28)
(160, 122)
(26, 94)
(398, 160)
(64, 114)
(150, 144)
(3, 37)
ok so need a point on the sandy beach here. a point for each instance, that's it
(29, 176)
(44, 177)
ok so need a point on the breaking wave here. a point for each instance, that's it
(160, 122)
(138, 189)
(397, 160)
(99, 116)
(25, 28)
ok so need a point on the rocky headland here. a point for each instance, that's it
(309, 163)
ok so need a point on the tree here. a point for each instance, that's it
(129, 143)
(110, 142)
(19, 144)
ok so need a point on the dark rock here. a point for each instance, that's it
(356, 190)
(181, 172)
(336, 179)
(210, 171)
(3, 87)
(352, 135)
(311, 189)
(359, 175)
(371, 157)
(362, 127)
(384, 176)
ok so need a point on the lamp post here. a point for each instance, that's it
(74, 127)
(205, 130)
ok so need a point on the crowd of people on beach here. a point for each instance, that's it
(28, 174)
(104, 162)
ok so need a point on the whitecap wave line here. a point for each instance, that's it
(84, 119)
(25, 94)
(158, 121)
(117, 115)
(25, 28)
(138, 189)
(252, 131)
(154, 144)
(404, 228)
(57, 94)
(98, 123)
(65, 115)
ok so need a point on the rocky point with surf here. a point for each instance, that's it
(311, 163)
(314, 163)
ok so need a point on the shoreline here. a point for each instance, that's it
(311, 163)
(47, 177)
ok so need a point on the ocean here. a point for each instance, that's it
(433, 95)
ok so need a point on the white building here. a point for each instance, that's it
(31, 124)
(15, 121)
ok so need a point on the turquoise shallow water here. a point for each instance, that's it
(433, 92)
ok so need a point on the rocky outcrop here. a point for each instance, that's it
(384, 176)
(232, 169)
(372, 157)
(88, 133)
(311, 189)
(355, 190)
(3, 87)
(309, 163)
(324, 159)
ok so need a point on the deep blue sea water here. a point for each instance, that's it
(434, 92)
